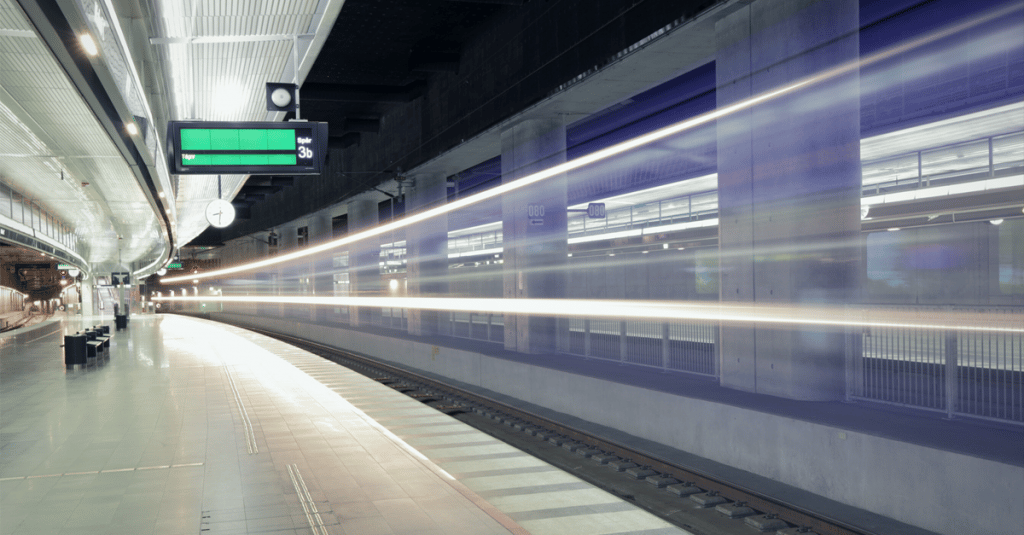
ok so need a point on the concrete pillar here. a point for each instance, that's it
(789, 190)
(88, 290)
(287, 242)
(263, 279)
(535, 229)
(321, 279)
(426, 249)
(364, 262)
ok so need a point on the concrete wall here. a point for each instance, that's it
(944, 492)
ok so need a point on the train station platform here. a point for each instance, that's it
(192, 426)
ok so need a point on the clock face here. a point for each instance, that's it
(220, 213)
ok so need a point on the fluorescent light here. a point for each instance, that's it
(88, 44)
(477, 253)
(713, 222)
(228, 99)
(606, 236)
(942, 191)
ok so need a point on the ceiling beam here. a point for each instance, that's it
(260, 190)
(500, 2)
(345, 141)
(356, 124)
(278, 181)
(362, 93)
(421, 60)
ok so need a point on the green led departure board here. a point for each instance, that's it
(294, 148)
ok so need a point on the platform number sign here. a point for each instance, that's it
(595, 210)
(535, 213)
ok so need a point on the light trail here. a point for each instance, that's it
(600, 155)
(498, 190)
(819, 315)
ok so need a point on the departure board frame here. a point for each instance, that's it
(246, 148)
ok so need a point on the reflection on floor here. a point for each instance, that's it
(193, 426)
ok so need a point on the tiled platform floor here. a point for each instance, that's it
(198, 427)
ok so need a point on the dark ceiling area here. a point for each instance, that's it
(378, 55)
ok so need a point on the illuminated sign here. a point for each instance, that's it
(212, 148)
(65, 266)
(174, 265)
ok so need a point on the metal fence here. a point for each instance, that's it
(959, 372)
(690, 347)
(478, 326)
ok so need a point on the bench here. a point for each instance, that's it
(94, 347)
(103, 335)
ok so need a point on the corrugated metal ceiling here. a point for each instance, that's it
(224, 80)
(47, 129)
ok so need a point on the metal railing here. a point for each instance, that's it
(20, 209)
(689, 347)
(958, 372)
(964, 161)
(478, 326)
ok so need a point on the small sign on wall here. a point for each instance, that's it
(535, 213)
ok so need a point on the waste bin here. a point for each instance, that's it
(75, 349)
(121, 322)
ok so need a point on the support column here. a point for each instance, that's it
(535, 229)
(321, 281)
(363, 262)
(264, 279)
(88, 289)
(789, 190)
(286, 283)
(426, 248)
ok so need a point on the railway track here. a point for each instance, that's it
(20, 321)
(695, 501)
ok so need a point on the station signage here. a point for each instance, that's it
(249, 148)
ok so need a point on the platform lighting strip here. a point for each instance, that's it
(160, 162)
(671, 311)
(600, 155)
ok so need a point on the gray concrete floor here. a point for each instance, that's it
(192, 426)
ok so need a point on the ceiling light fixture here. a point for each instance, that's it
(996, 222)
(131, 128)
(88, 44)
(228, 99)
